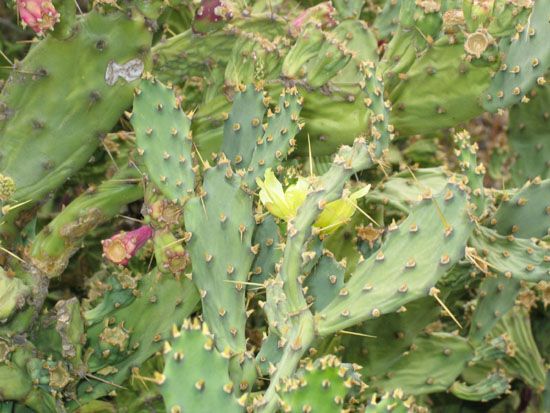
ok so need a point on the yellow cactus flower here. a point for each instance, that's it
(340, 211)
(284, 204)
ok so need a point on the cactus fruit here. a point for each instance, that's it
(121, 247)
(39, 15)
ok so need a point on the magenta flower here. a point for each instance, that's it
(39, 15)
(120, 248)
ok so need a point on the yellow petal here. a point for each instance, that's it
(272, 195)
(360, 193)
(295, 196)
(339, 212)
(335, 214)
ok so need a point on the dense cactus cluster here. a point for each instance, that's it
(274, 206)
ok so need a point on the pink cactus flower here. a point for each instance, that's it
(39, 15)
(120, 248)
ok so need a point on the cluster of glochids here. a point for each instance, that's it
(321, 207)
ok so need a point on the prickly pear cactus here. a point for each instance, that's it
(274, 206)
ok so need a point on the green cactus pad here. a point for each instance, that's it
(416, 109)
(163, 139)
(403, 190)
(268, 238)
(221, 225)
(324, 282)
(527, 213)
(333, 54)
(496, 298)
(306, 48)
(514, 257)
(18, 380)
(408, 264)
(387, 20)
(330, 121)
(448, 355)
(320, 386)
(186, 384)
(44, 142)
(528, 137)
(349, 9)
(243, 125)
(278, 138)
(277, 308)
(119, 337)
(270, 353)
(526, 62)
(60, 334)
(390, 335)
(252, 145)
(198, 52)
(253, 58)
